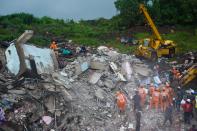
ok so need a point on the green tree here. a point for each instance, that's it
(170, 12)
(129, 11)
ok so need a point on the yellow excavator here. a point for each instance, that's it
(153, 48)
(189, 76)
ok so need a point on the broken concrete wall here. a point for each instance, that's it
(12, 59)
(43, 57)
(19, 42)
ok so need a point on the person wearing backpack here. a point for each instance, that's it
(187, 108)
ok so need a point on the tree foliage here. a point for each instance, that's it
(46, 29)
(128, 12)
(164, 12)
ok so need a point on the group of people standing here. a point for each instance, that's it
(160, 97)
(163, 98)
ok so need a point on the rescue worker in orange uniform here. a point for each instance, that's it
(53, 45)
(154, 102)
(121, 101)
(142, 93)
(170, 93)
(164, 99)
(151, 89)
(174, 70)
(176, 73)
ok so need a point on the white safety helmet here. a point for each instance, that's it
(188, 100)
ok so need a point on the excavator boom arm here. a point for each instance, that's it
(150, 22)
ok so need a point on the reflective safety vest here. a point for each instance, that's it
(196, 101)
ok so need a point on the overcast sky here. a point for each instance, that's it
(66, 9)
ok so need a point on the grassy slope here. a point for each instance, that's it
(101, 33)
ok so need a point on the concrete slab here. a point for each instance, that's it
(142, 70)
(96, 65)
(93, 79)
(81, 67)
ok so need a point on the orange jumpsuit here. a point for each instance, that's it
(155, 99)
(174, 71)
(164, 100)
(178, 75)
(169, 92)
(53, 46)
(121, 101)
(151, 90)
(142, 94)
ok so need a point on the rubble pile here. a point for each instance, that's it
(81, 96)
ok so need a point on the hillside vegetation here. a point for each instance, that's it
(91, 33)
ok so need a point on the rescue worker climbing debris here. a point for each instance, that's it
(53, 45)
(121, 101)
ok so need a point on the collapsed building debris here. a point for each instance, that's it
(79, 91)
(79, 96)
(22, 58)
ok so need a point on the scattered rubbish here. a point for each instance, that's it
(146, 81)
(5, 104)
(131, 126)
(81, 67)
(157, 80)
(99, 93)
(2, 115)
(19, 92)
(116, 71)
(109, 83)
(127, 70)
(78, 96)
(142, 70)
(97, 65)
(95, 77)
(47, 119)
(122, 128)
